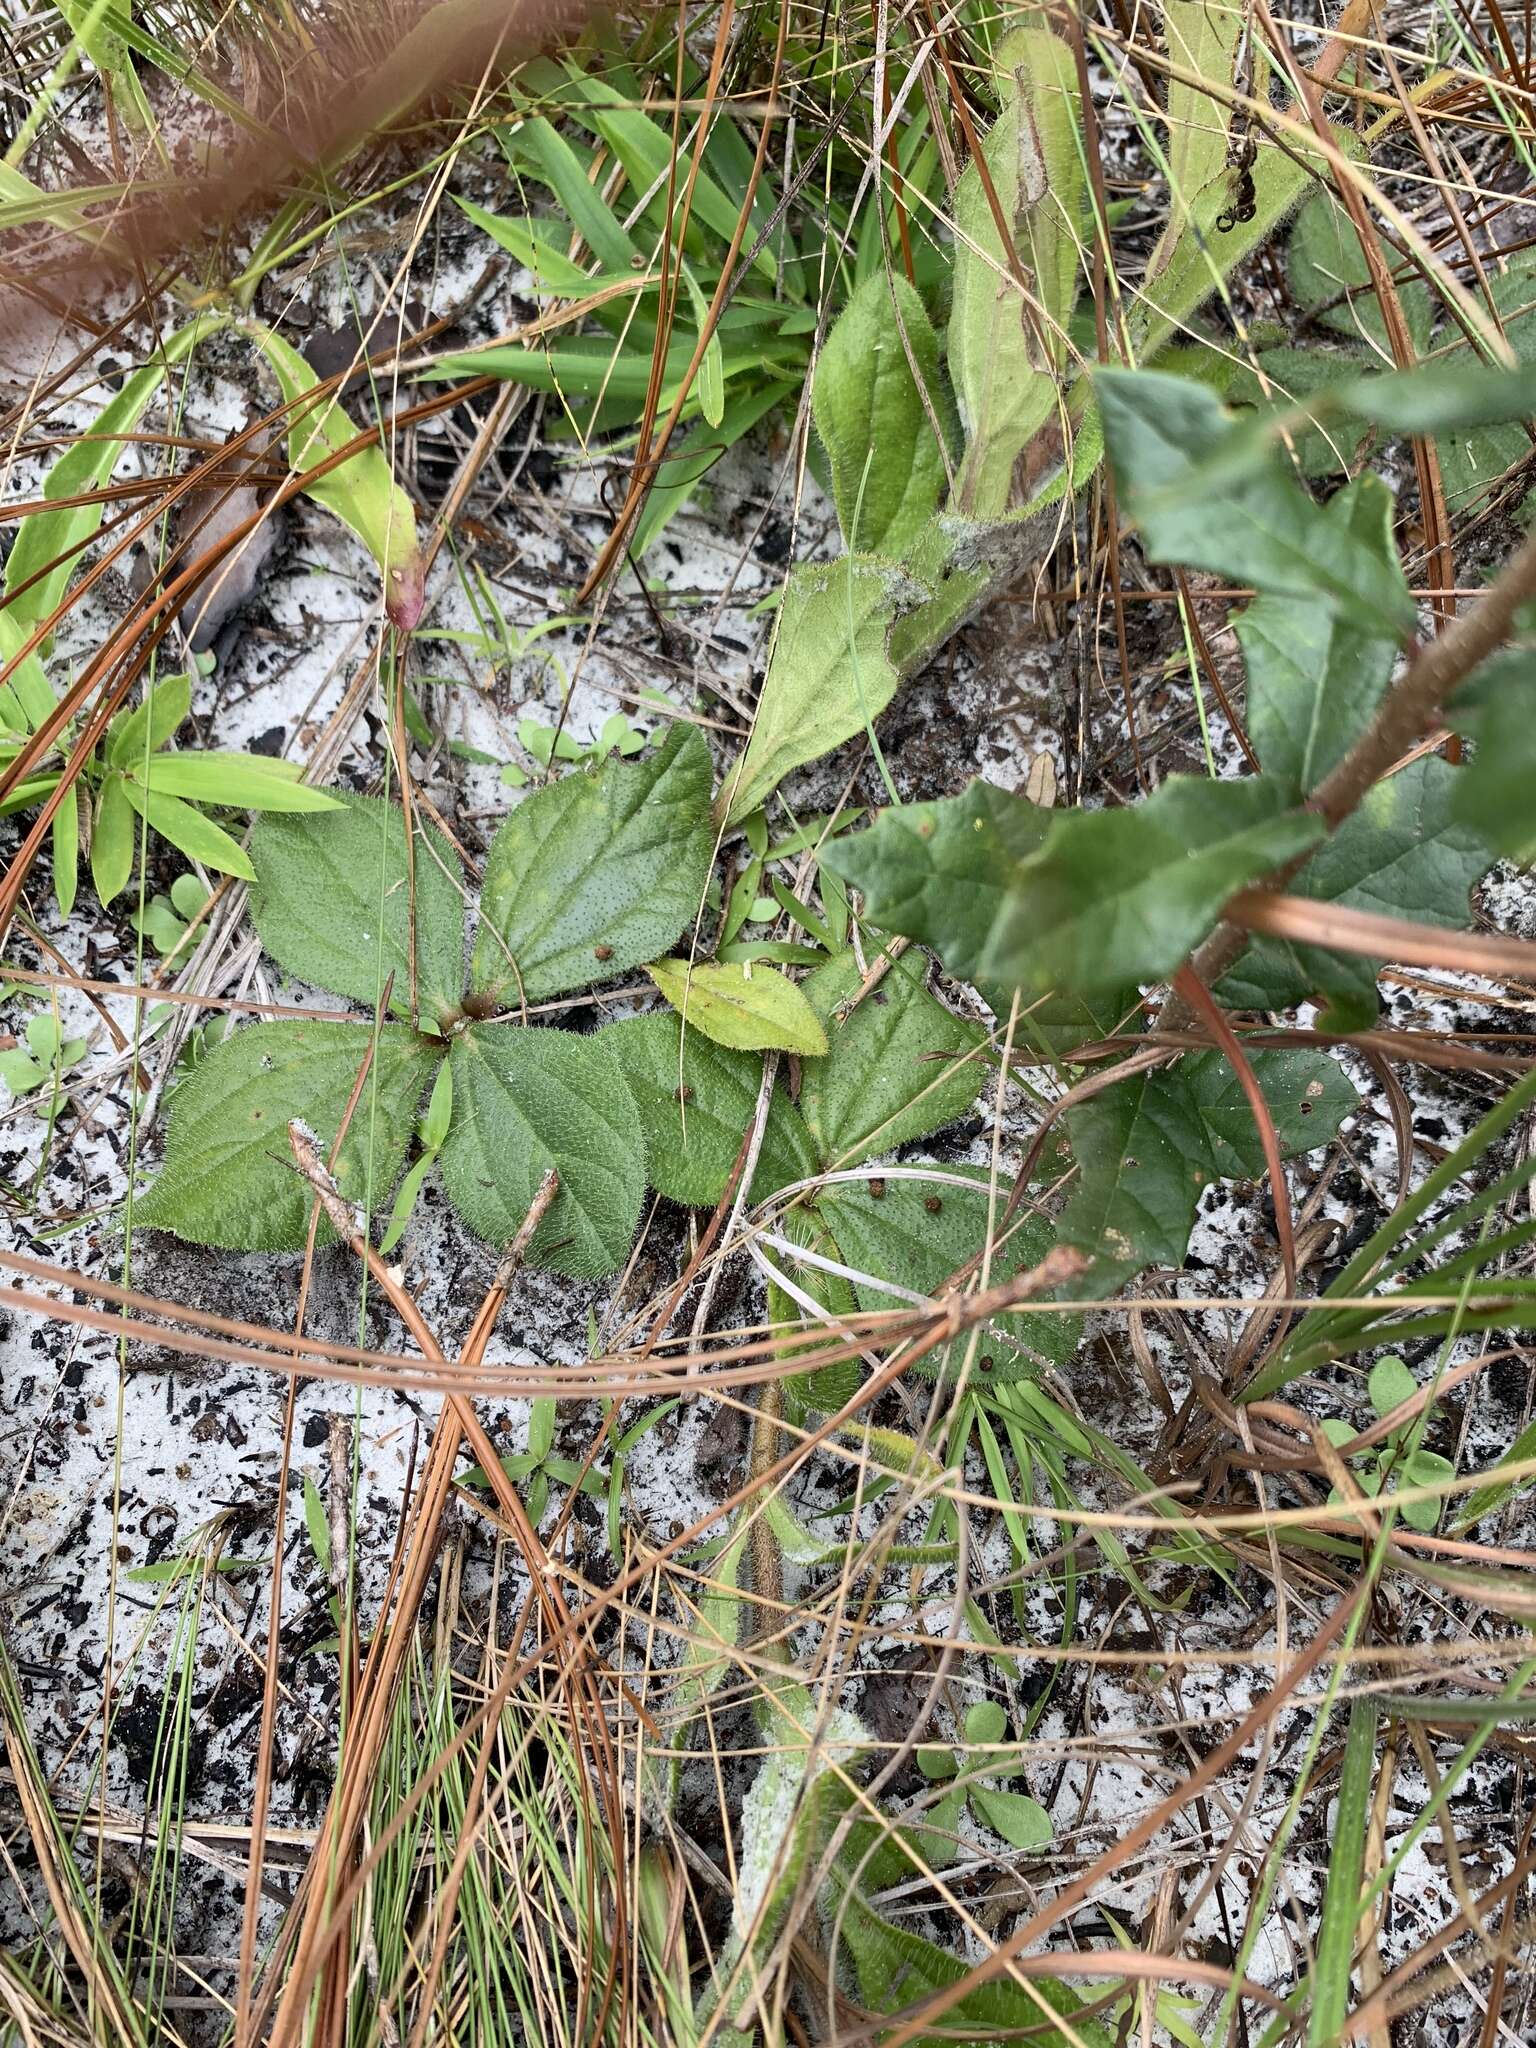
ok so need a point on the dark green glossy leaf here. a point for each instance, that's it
(595, 875)
(332, 903)
(229, 1176)
(1493, 795)
(1308, 1093)
(523, 1101)
(1148, 1146)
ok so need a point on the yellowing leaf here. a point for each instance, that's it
(742, 1005)
(361, 491)
(1008, 329)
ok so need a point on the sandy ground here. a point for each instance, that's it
(110, 1465)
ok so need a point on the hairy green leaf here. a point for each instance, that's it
(898, 1066)
(1164, 435)
(1103, 897)
(1007, 341)
(1148, 1145)
(596, 874)
(1405, 852)
(527, 1100)
(736, 1003)
(1215, 237)
(941, 872)
(1497, 708)
(917, 1234)
(1202, 52)
(696, 1101)
(1315, 675)
(229, 1177)
(875, 406)
(333, 903)
(1331, 278)
(894, 1968)
(829, 676)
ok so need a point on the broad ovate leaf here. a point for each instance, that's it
(361, 491)
(940, 872)
(335, 905)
(894, 1967)
(597, 874)
(696, 1101)
(229, 1177)
(526, 1100)
(878, 393)
(1022, 1822)
(900, 1064)
(1329, 275)
(1103, 898)
(830, 674)
(1007, 341)
(737, 1003)
(1307, 1093)
(1171, 443)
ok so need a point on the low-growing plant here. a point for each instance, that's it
(1021, 1821)
(166, 918)
(44, 1057)
(592, 877)
(1396, 1461)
